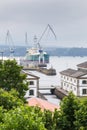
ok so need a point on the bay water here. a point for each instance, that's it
(60, 64)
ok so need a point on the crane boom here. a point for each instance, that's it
(9, 41)
(47, 27)
(52, 31)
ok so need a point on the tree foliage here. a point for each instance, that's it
(81, 117)
(48, 120)
(23, 118)
(11, 77)
(9, 100)
(69, 106)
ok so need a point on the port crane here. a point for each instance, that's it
(48, 27)
(26, 41)
(9, 42)
(36, 41)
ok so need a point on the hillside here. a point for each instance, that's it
(52, 51)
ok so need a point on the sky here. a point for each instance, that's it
(68, 19)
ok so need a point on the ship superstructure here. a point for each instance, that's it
(36, 56)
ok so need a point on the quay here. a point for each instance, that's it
(56, 93)
(47, 95)
(45, 71)
(60, 93)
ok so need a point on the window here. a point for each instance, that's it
(31, 82)
(71, 79)
(27, 65)
(31, 92)
(67, 85)
(74, 81)
(84, 91)
(74, 88)
(61, 76)
(64, 84)
(84, 82)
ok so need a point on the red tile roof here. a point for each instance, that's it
(43, 104)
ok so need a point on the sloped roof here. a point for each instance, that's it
(43, 104)
(83, 65)
(73, 73)
(30, 75)
(68, 72)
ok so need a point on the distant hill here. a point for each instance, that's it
(68, 51)
(52, 51)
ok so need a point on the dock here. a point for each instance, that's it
(47, 95)
(54, 90)
(60, 93)
(45, 71)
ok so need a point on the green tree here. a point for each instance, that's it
(48, 120)
(9, 100)
(11, 77)
(69, 106)
(81, 117)
(22, 118)
(2, 111)
(56, 119)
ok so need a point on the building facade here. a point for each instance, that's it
(33, 85)
(75, 80)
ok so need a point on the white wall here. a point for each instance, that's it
(32, 87)
(69, 84)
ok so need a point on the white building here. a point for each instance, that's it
(75, 80)
(33, 84)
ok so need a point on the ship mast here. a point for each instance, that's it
(35, 41)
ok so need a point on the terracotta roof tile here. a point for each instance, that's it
(43, 104)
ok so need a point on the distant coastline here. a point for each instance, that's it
(52, 51)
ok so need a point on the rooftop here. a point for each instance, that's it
(82, 65)
(43, 104)
(73, 73)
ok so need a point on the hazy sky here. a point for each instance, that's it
(68, 18)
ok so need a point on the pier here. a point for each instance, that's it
(52, 90)
(45, 71)
(60, 93)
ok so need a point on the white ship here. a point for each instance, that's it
(36, 56)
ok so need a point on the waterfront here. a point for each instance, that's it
(59, 63)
